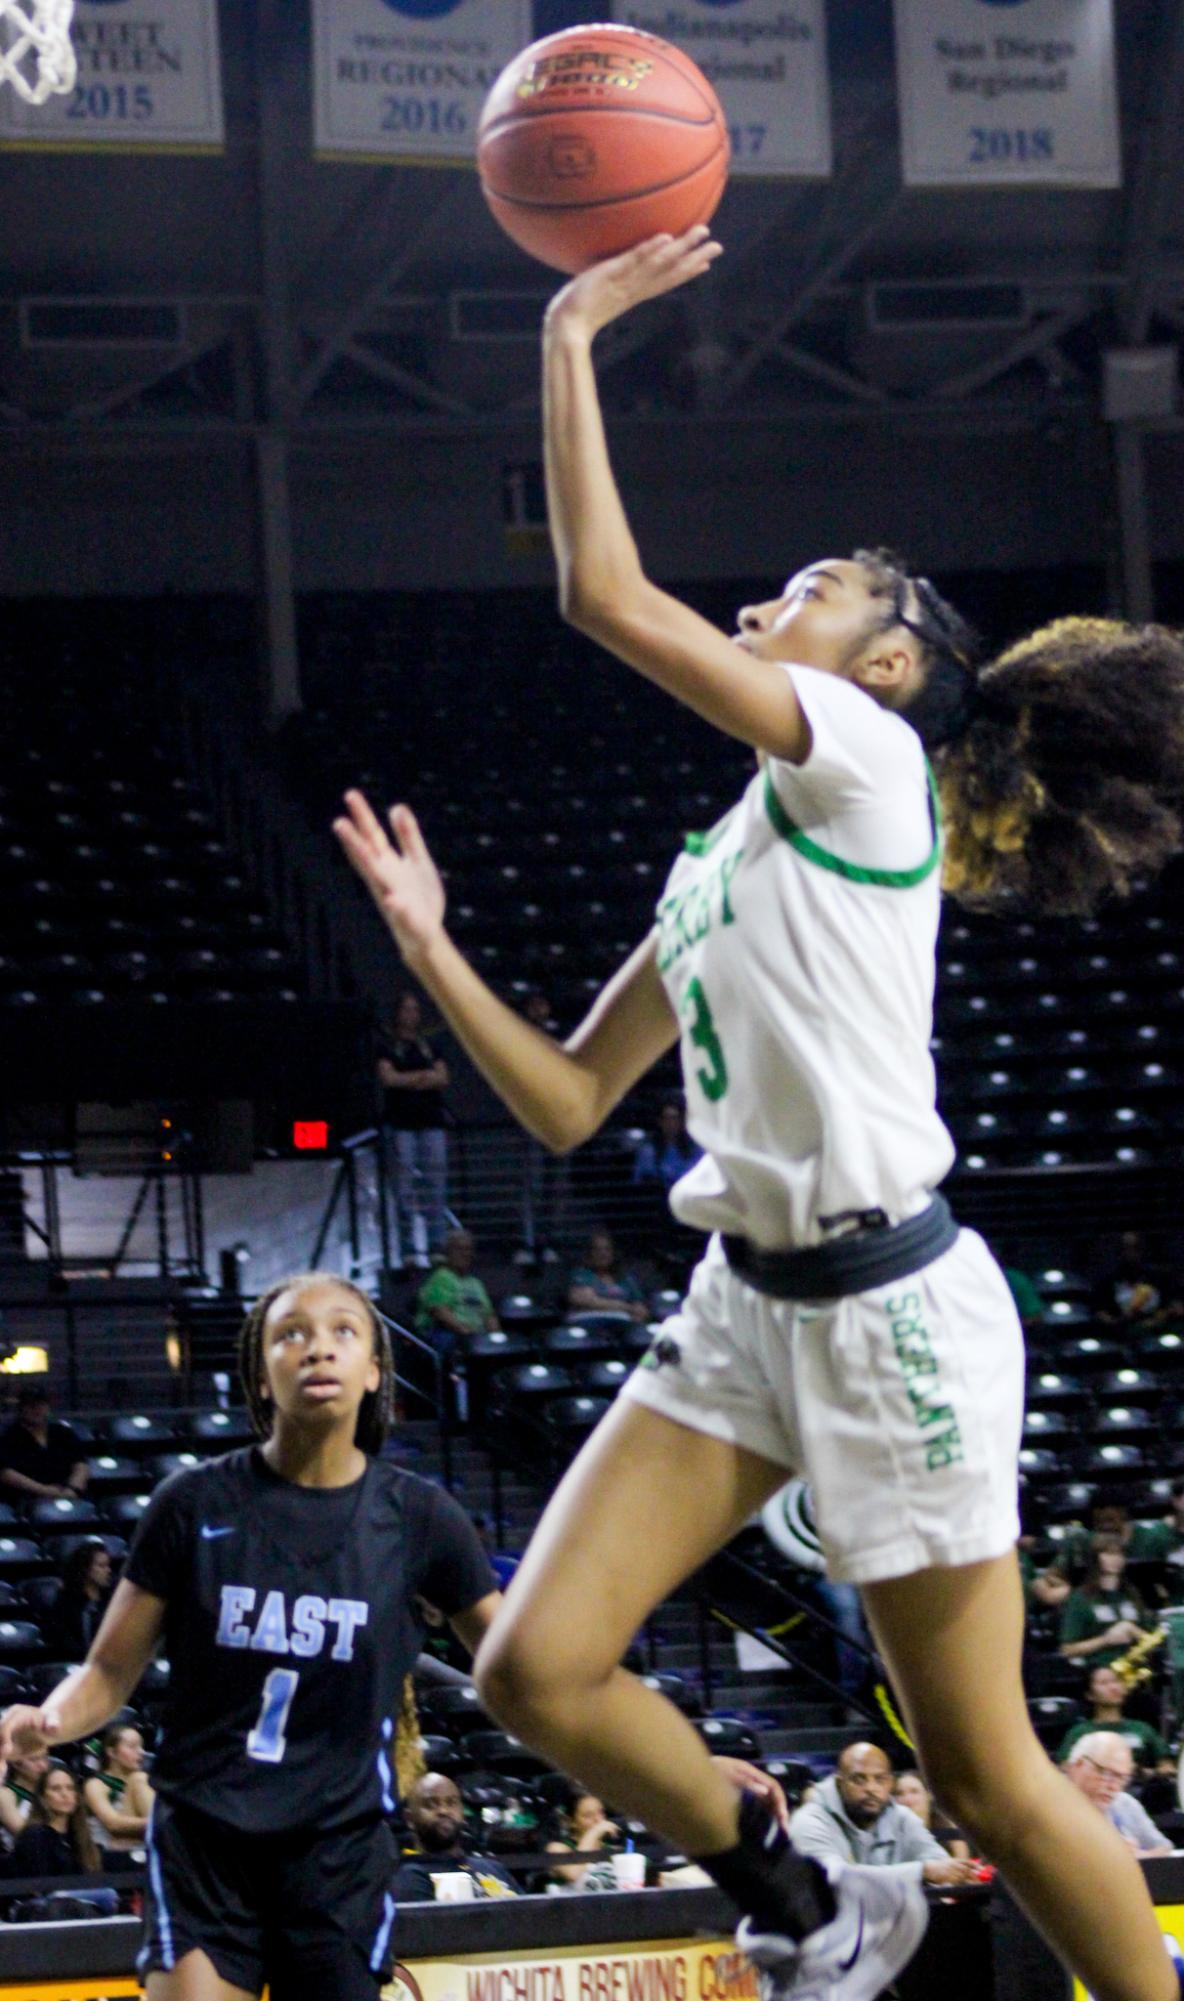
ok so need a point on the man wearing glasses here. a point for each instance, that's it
(1100, 1766)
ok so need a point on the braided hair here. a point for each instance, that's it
(1060, 763)
(376, 1413)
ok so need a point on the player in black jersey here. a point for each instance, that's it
(283, 1581)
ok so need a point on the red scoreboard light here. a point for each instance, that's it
(310, 1135)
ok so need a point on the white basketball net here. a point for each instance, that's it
(36, 54)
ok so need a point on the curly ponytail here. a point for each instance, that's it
(1067, 784)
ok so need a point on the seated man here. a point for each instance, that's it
(1106, 1694)
(1100, 1766)
(854, 1818)
(435, 1814)
(453, 1303)
(39, 1459)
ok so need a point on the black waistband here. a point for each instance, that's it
(854, 1263)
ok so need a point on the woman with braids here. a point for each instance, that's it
(283, 1581)
(840, 1325)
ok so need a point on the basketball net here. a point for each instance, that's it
(36, 54)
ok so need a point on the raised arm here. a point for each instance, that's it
(603, 589)
(91, 1694)
(561, 1094)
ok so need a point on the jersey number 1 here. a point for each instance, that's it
(712, 1075)
(267, 1741)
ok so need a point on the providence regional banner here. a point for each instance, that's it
(406, 79)
(767, 61)
(149, 78)
(1008, 92)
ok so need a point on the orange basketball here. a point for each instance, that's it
(595, 138)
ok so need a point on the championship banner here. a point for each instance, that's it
(406, 79)
(676, 1970)
(1018, 93)
(767, 61)
(149, 79)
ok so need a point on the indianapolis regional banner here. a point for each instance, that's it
(149, 77)
(767, 60)
(1011, 92)
(406, 79)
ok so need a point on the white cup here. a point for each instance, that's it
(455, 1887)
(629, 1870)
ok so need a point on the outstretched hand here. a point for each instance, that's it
(606, 290)
(399, 873)
(26, 1731)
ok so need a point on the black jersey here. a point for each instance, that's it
(291, 1623)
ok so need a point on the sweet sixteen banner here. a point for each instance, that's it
(149, 78)
(1008, 92)
(406, 79)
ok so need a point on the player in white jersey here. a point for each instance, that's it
(840, 1324)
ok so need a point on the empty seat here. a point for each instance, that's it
(173, 1462)
(111, 1471)
(139, 1431)
(534, 1382)
(575, 1339)
(497, 1751)
(456, 1710)
(125, 1510)
(1051, 1716)
(226, 1427)
(63, 1514)
(19, 1554)
(727, 1737)
(38, 1593)
(19, 1638)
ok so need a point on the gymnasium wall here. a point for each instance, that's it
(708, 498)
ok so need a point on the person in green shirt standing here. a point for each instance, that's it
(1105, 1616)
(1106, 1695)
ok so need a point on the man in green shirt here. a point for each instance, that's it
(453, 1304)
(1106, 1695)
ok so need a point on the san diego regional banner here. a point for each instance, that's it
(1008, 92)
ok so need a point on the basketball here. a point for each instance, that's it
(593, 139)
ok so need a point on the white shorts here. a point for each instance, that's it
(902, 1406)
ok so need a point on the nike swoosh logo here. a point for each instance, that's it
(209, 1535)
(846, 1964)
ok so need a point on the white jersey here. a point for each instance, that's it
(796, 943)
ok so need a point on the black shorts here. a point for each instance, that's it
(307, 1913)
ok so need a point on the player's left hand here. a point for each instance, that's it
(398, 870)
(750, 1779)
(606, 290)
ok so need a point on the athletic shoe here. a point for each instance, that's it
(878, 1924)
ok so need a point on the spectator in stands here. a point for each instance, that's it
(854, 1818)
(1142, 1542)
(17, 1789)
(546, 1180)
(1026, 1294)
(1106, 1615)
(1100, 1766)
(1106, 1695)
(41, 1458)
(668, 1152)
(56, 1839)
(414, 1078)
(599, 1286)
(1137, 1292)
(452, 1306)
(435, 1814)
(119, 1797)
(909, 1789)
(584, 1828)
(76, 1614)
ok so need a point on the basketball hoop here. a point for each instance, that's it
(36, 53)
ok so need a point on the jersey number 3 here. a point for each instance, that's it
(712, 1074)
(267, 1741)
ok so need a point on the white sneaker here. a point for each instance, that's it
(879, 1922)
